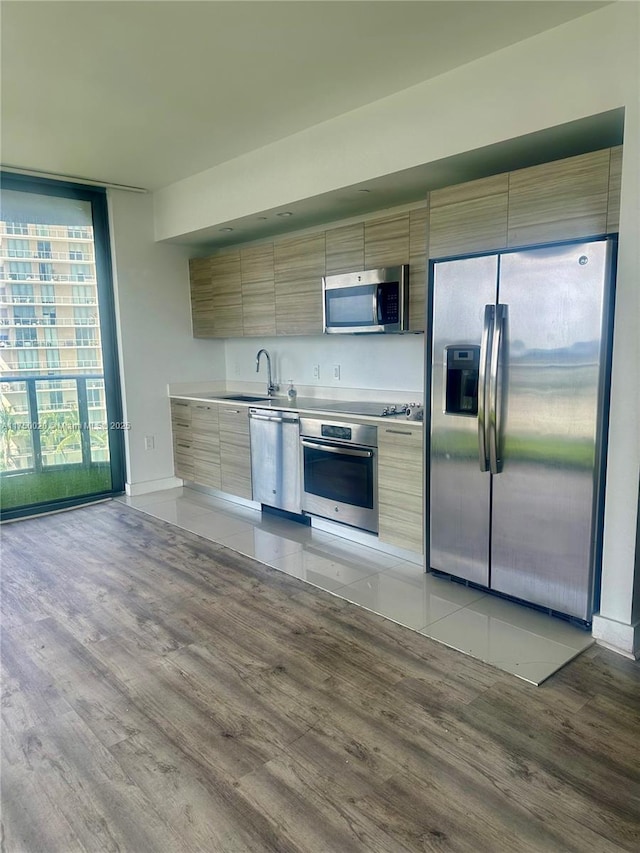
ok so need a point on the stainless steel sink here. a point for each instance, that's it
(243, 398)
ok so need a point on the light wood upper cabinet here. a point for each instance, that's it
(386, 241)
(299, 267)
(235, 451)
(345, 249)
(560, 200)
(227, 294)
(400, 485)
(469, 217)
(258, 290)
(201, 297)
(615, 185)
(418, 228)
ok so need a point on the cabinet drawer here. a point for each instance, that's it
(400, 486)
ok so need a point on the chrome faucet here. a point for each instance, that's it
(271, 388)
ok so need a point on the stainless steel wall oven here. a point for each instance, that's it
(340, 472)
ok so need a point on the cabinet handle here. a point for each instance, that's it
(186, 446)
(183, 424)
(400, 431)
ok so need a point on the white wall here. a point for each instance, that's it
(585, 67)
(156, 346)
(385, 362)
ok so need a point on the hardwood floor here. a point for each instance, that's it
(163, 693)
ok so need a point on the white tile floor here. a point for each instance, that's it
(514, 638)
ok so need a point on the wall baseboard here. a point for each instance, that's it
(621, 638)
(134, 489)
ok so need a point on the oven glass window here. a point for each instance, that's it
(339, 477)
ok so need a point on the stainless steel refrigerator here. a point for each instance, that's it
(520, 346)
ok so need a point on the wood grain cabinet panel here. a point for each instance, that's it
(205, 440)
(386, 241)
(615, 185)
(299, 267)
(345, 249)
(400, 485)
(226, 289)
(469, 217)
(418, 228)
(235, 451)
(559, 200)
(258, 290)
(201, 288)
(182, 439)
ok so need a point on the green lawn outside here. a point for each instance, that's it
(24, 489)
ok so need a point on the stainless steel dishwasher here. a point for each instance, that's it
(275, 458)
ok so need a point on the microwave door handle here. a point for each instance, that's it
(374, 306)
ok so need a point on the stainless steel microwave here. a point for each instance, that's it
(368, 302)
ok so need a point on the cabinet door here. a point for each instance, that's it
(469, 217)
(386, 241)
(615, 184)
(559, 200)
(235, 451)
(226, 294)
(418, 232)
(400, 485)
(258, 290)
(205, 442)
(201, 297)
(182, 439)
(299, 267)
(345, 249)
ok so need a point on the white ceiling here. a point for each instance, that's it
(147, 93)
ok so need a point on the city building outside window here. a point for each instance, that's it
(27, 359)
(53, 358)
(44, 249)
(46, 272)
(47, 293)
(24, 315)
(22, 292)
(17, 228)
(19, 270)
(18, 249)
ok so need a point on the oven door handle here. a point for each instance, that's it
(344, 451)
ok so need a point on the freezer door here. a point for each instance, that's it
(464, 293)
(548, 425)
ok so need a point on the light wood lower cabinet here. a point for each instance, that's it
(235, 451)
(182, 439)
(205, 442)
(211, 445)
(400, 485)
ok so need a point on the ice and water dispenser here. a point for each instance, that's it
(463, 366)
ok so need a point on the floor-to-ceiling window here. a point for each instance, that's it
(61, 429)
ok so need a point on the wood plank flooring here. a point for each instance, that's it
(163, 693)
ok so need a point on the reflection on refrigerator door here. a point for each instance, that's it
(518, 365)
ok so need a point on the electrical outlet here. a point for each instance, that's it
(149, 442)
(316, 371)
(336, 371)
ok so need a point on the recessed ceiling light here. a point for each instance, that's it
(364, 191)
(263, 218)
(226, 229)
(286, 213)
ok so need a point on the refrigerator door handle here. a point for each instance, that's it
(487, 335)
(493, 427)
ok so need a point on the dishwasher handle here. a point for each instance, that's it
(276, 419)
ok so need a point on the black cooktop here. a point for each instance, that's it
(349, 407)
